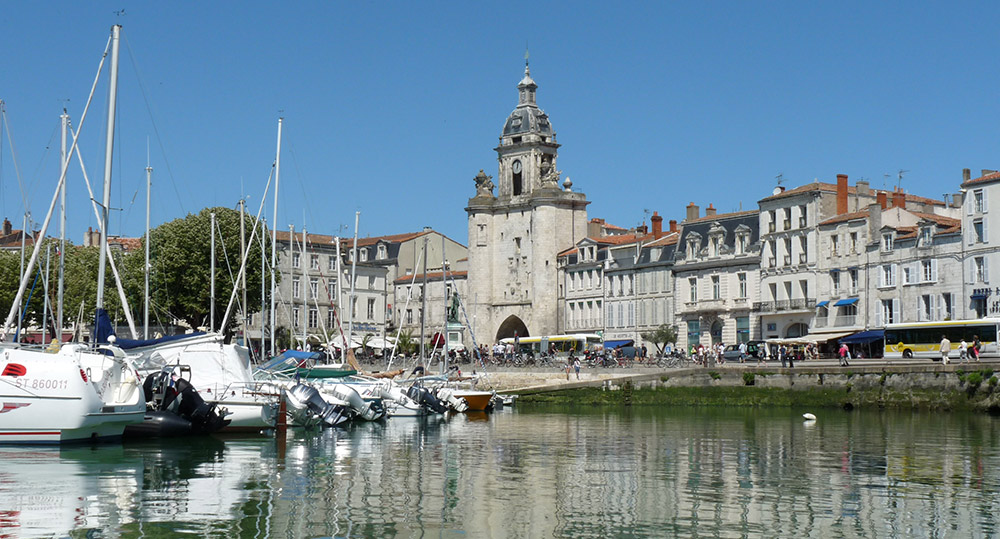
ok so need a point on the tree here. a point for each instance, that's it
(180, 253)
(661, 336)
(405, 343)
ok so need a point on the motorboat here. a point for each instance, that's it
(307, 408)
(174, 407)
(73, 393)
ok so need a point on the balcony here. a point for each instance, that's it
(780, 305)
(845, 320)
(821, 322)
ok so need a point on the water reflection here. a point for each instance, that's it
(553, 472)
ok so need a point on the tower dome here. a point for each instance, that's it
(527, 117)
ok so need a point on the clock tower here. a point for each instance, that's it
(516, 234)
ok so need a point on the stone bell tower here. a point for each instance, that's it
(515, 235)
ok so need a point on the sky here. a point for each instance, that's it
(391, 108)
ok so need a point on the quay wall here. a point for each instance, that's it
(932, 387)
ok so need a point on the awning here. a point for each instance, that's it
(824, 337)
(848, 301)
(822, 304)
(864, 337)
(978, 296)
(618, 343)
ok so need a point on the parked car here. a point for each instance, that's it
(755, 349)
(731, 353)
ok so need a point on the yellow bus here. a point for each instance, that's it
(923, 339)
(577, 342)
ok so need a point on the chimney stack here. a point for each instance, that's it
(673, 226)
(881, 198)
(709, 211)
(899, 199)
(841, 194)
(657, 225)
(863, 189)
(693, 212)
(966, 175)
(987, 172)
(8, 229)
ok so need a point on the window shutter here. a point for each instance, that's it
(934, 276)
(895, 311)
(881, 276)
(972, 271)
(878, 316)
(970, 201)
(986, 269)
(986, 206)
(986, 232)
(894, 279)
(937, 307)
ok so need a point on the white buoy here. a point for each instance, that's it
(809, 416)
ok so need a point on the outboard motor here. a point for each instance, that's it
(312, 409)
(448, 396)
(425, 398)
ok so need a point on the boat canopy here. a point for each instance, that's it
(106, 329)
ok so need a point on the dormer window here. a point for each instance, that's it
(364, 255)
(715, 246)
(887, 238)
(382, 252)
(926, 236)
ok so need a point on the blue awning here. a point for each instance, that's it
(618, 343)
(978, 296)
(822, 304)
(848, 301)
(864, 337)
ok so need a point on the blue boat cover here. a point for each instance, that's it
(848, 301)
(105, 329)
(618, 343)
(289, 359)
(864, 337)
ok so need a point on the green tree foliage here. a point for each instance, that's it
(180, 256)
(661, 336)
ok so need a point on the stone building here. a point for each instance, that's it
(981, 245)
(716, 273)
(516, 234)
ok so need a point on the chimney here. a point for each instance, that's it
(966, 175)
(673, 226)
(7, 228)
(863, 189)
(709, 211)
(956, 200)
(841, 194)
(657, 225)
(987, 172)
(899, 199)
(595, 228)
(881, 198)
(693, 212)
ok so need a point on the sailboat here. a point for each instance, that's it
(73, 392)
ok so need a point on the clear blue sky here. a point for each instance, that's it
(392, 108)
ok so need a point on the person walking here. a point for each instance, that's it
(975, 346)
(743, 352)
(963, 351)
(842, 355)
(781, 355)
(576, 367)
(945, 349)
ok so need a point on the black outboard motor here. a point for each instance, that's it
(330, 415)
(423, 396)
(174, 408)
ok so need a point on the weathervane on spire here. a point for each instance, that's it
(526, 56)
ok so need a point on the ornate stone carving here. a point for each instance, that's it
(548, 174)
(484, 184)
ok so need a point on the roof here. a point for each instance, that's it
(851, 190)
(844, 217)
(718, 216)
(986, 178)
(431, 276)
(127, 244)
(13, 239)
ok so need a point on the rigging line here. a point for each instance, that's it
(13, 156)
(41, 162)
(306, 208)
(156, 130)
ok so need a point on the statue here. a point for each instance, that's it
(484, 185)
(453, 309)
(548, 174)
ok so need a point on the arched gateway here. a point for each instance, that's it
(511, 327)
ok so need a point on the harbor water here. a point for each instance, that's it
(530, 472)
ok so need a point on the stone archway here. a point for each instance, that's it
(715, 330)
(510, 327)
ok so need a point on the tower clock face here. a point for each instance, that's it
(516, 167)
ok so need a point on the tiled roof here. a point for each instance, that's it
(721, 216)
(940, 220)
(669, 239)
(431, 276)
(851, 190)
(844, 217)
(992, 176)
(127, 244)
(14, 240)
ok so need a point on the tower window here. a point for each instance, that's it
(516, 140)
(517, 183)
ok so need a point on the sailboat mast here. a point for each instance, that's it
(291, 272)
(145, 293)
(109, 148)
(211, 289)
(423, 306)
(263, 297)
(243, 281)
(63, 157)
(354, 273)
(274, 231)
(306, 290)
(444, 291)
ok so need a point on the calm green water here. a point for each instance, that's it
(540, 472)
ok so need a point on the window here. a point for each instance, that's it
(331, 290)
(888, 275)
(802, 216)
(716, 287)
(364, 255)
(854, 242)
(371, 308)
(313, 317)
(908, 274)
(314, 262)
(354, 307)
(788, 219)
(887, 241)
(693, 287)
(572, 281)
(694, 332)
(925, 304)
(715, 246)
(979, 201)
(382, 253)
(978, 231)
(980, 269)
(331, 318)
(409, 316)
(295, 317)
(854, 280)
(295, 288)
(947, 303)
(313, 288)
(788, 251)
(295, 260)
(926, 236)
(928, 270)
(611, 317)
(834, 244)
(332, 264)
(742, 329)
(835, 275)
(742, 278)
(803, 248)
